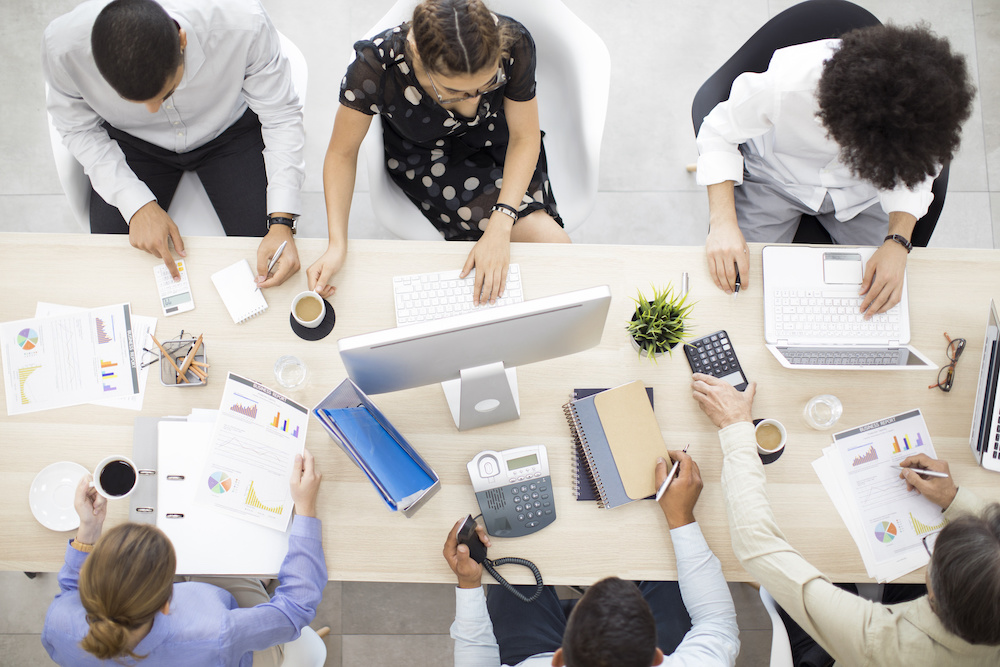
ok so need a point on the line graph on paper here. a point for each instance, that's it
(267, 459)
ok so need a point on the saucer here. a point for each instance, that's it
(319, 332)
(52, 493)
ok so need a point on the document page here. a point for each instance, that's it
(69, 359)
(891, 521)
(253, 447)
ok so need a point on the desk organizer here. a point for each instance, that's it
(402, 478)
(178, 347)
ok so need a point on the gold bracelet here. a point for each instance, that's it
(80, 546)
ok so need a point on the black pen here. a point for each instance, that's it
(737, 291)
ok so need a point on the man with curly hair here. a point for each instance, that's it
(852, 131)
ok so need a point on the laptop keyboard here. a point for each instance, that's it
(422, 297)
(821, 357)
(824, 314)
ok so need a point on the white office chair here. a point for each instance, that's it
(190, 208)
(781, 649)
(574, 76)
(308, 650)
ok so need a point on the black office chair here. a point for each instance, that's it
(805, 22)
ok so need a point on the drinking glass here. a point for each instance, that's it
(823, 411)
(289, 371)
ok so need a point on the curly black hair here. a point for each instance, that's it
(894, 99)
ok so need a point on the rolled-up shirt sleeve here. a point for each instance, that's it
(749, 112)
(914, 201)
(475, 645)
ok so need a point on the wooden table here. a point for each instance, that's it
(362, 539)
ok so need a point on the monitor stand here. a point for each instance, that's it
(484, 395)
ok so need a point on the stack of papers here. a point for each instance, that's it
(887, 522)
(71, 356)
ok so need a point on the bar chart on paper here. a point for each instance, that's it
(253, 447)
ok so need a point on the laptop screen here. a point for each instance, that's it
(989, 370)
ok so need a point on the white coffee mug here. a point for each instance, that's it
(770, 423)
(313, 296)
(115, 477)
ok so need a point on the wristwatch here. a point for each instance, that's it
(901, 240)
(280, 220)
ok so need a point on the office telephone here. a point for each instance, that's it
(514, 490)
(466, 534)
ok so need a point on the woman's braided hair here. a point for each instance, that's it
(458, 36)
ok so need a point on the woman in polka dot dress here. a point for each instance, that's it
(456, 91)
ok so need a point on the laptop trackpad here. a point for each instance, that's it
(842, 268)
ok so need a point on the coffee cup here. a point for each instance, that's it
(115, 477)
(771, 437)
(308, 309)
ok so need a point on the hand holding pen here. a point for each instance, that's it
(679, 487)
(930, 478)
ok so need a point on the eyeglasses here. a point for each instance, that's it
(498, 80)
(946, 376)
(929, 542)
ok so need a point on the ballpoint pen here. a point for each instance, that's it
(274, 259)
(924, 471)
(737, 290)
(670, 476)
(684, 284)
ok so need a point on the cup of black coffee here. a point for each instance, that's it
(115, 477)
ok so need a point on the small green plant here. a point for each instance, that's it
(659, 322)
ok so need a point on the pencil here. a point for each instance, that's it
(166, 355)
(190, 357)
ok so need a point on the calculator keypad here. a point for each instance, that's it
(714, 355)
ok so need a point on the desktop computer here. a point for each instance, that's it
(473, 355)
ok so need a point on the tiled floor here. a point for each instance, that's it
(661, 52)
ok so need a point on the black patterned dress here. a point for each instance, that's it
(450, 166)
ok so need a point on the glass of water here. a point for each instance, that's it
(290, 372)
(823, 411)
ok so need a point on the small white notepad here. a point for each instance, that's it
(239, 292)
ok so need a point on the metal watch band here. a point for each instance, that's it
(280, 220)
(901, 240)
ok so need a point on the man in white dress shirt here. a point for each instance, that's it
(852, 131)
(689, 622)
(142, 91)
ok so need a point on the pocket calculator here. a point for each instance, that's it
(514, 490)
(714, 355)
(175, 297)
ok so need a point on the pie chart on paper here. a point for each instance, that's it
(220, 482)
(885, 532)
(27, 339)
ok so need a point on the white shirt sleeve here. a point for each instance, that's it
(714, 635)
(748, 113)
(914, 201)
(270, 93)
(475, 645)
(82, 134)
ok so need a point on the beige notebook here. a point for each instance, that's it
(238, 289)
(633, 436)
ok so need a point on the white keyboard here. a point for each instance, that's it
(831, 314)
(430, 296)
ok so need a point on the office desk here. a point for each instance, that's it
(362, 539)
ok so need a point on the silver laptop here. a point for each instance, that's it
(985, 438)
(812, 317)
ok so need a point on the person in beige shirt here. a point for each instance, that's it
(956, 623)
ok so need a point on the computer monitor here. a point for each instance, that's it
(473, 355)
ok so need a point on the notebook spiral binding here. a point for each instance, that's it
(253, 313)
(580, 448)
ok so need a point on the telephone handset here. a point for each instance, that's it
(477, 551)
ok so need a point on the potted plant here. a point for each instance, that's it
(659, 323)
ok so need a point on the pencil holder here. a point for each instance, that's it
(177, 349)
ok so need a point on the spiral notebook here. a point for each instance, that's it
(619, 440)
(238, 289)
(583, 486)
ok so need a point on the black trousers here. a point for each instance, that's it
(523, 630)
(231, 168)
(807, 653)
